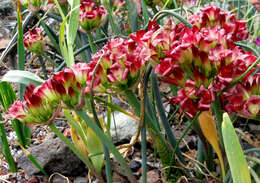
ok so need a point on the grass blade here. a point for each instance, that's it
(5, 148)
(132, 15)
(234, 152)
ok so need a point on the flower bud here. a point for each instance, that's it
(91, 15)
(33, 41)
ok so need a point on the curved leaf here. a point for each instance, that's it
(22, 77)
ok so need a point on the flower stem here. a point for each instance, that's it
(43, 67)
(216, 106)
(91, 43)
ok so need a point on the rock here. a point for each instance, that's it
(59, 179)
(125, 127)
(189, 139)
(6, 8)
(152, 177)
(134, 165)
(80, 180)
(54, 156)
(119, 103)
(254, 128)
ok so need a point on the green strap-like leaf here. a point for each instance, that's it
(22, 77)
(235, 155)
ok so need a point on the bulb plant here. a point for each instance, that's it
(201, 54)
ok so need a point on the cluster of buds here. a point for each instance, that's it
(33, 5)
(244, 98)
(116, 67)
(41, 103)
(202, 60)
(212, 16)
(91, 15)
(120, 66)
(33, 41)
(170, 3)
(36, 109)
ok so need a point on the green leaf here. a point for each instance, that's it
(23, 77)
(132, 14)
(72, 29)
(86, 140)
(234, 152)
(4, 148)
(63, 44)
(107, 142)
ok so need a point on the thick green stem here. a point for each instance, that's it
(216, 106)
(91, 43)
(111, 19)
(76, 151)
(43, 67)
(163, 117)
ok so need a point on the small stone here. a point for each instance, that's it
(124, 128)
(60, 123)
(80, 180)
(33, 180)
(59, 179)
(134, 165)
(152, 177)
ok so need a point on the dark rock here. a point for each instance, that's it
(6, 8)
(80, 180)
(254, 128)
(134, 165)
(189, 140)
(54, 156)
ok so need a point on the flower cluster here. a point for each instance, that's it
(33, 5)
(120, 66)
(33, 40)
(202, 60)
(169, 3)
(116, 67)
(42, 102)
(244, 97)
(91, 15)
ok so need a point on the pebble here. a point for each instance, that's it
(80, 180)
(134, 165)
(59, 179)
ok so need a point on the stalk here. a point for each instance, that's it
(91, 43)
